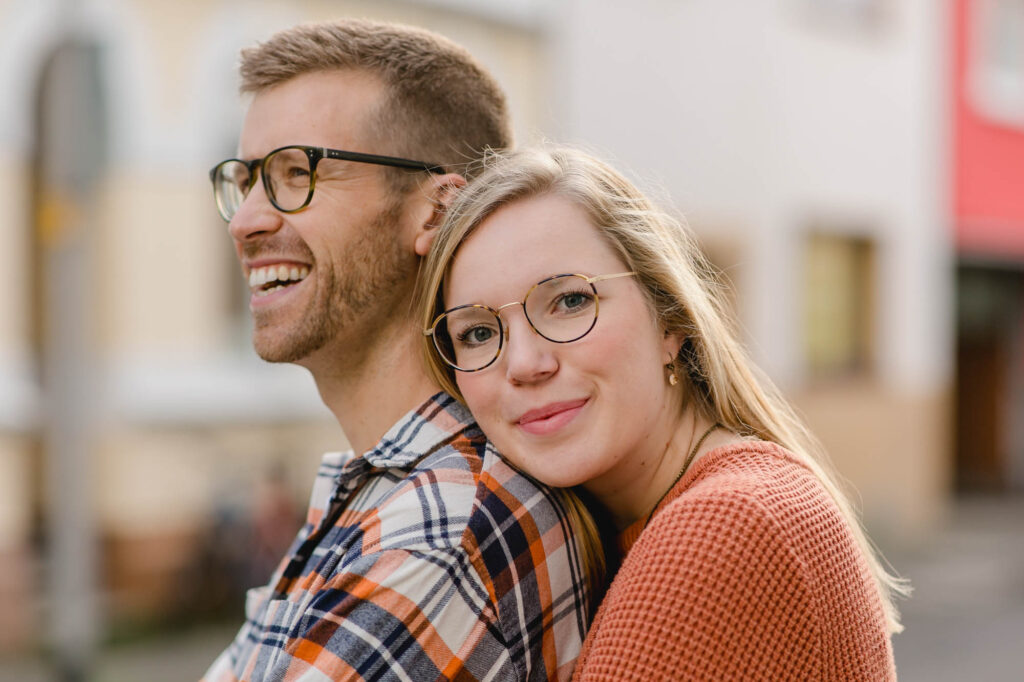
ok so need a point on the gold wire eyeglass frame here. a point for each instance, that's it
(503, 330)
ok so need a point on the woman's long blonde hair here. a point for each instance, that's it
(724, 385)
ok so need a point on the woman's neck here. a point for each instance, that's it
(642, 489)
(633, 488)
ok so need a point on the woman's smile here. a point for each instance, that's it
(550, 419)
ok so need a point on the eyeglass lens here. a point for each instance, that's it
(230, 187)
(287, 177)
(287, 181)
(561, 309)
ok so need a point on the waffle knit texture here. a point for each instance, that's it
(747, 571)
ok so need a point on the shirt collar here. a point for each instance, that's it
(436, 421)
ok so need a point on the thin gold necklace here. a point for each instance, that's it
(686, 465)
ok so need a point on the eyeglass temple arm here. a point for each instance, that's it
(381, 160)
(601, 278)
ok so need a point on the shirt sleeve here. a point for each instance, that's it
(388, 615)
(712, 590)
(463, 570)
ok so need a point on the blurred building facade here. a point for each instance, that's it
(141, 440)
(806, 141)
(810, 144)
(988, 218)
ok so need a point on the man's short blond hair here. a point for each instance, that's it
(441, 106)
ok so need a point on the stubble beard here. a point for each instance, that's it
(354, 298)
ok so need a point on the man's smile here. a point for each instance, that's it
(268, 278)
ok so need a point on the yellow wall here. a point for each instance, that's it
(14, 260)
(163, 266)
(894, 451)
(15, 491)
(159, 480)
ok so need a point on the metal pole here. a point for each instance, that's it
(72, 151)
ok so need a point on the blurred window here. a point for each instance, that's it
(725, 257)
(838, 304)
(997, 59)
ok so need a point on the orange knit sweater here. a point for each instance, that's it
(747, 571)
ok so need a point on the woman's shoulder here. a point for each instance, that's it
(766, 471)
(757, 499)
(753, 563)
(713, 563)
(748, 488)
(747, 456)
(752, 513)
(746, 477)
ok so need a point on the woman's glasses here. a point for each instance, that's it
(562, 308)
(289, 176)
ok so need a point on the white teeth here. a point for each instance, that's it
(277, 273)
(263, 292)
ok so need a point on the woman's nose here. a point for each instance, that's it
(529, 357)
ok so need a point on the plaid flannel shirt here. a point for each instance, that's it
(427, 558)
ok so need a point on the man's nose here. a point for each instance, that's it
(529, 357)
(255, 216)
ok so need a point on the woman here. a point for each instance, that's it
(744, 560)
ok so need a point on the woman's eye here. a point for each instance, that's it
(573, 301)
(475, 336)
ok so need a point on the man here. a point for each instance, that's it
(424, 556)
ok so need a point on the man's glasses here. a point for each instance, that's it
(562, 308)
(289, 176)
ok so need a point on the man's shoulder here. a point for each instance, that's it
(463, 493)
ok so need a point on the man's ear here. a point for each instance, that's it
(441, 192)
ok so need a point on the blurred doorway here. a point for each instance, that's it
(990, 378)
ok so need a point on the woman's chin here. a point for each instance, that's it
(550, 469)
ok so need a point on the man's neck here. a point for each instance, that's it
(369, 391)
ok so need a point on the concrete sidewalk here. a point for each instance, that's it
(965, 620)
(179, 658)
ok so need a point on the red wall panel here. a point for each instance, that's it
(988, 162)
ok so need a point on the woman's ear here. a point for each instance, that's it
(441, 192)
(671, 343)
